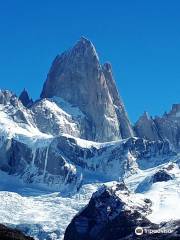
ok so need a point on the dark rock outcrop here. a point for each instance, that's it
(110, 215)
(161, 176)
(7, 233)
(25, 99)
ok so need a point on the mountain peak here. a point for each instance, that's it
(25, 99)
(85, 49)
(78, 78)
(107, 66)
(174, 112)
(146, 115)
(85, 40)
(176, 108)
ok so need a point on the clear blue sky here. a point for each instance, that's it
(140, 38)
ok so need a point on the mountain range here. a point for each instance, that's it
(72, 163)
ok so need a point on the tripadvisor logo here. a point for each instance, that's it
(139, 231)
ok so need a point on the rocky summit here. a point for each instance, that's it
(159, 128)
(25, 99)
(77, 77)
(58, 151)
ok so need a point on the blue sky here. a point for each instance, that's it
(140, 38)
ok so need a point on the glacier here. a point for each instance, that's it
(45, 215)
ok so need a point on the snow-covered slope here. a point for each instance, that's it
(32, 149)
(44, 214)
(39, 155)
(161, 185)
(55, 116)
(36, 211)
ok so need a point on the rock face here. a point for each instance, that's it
(7, 97)
(77, 77)
(34, 147)
(166, 127)
(25, 99)
(146, 128)
(110, 215)
(54, 118)
(12, 234)
(107, 216)
(161, 176)
(125, 125)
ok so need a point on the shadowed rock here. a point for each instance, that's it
(161, 176)
(110, 215)
(25, 99)
(12, 234)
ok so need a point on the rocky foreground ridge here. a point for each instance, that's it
(12, 234)
(114, 213)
